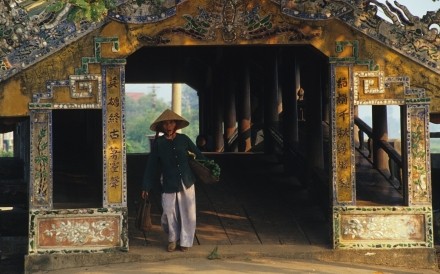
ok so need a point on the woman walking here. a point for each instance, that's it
(168, 164)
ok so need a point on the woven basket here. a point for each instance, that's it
(202, 173)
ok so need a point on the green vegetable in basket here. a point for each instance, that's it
(212, 166)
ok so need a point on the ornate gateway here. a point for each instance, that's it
(49, 63)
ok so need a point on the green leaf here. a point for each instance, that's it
(44, 145)
(110, 4)
(42, 133)
(140, 2)
(98, 11)
(74, 15)
(214, 254)
(80, 3)
(55, 7)
(213, 166)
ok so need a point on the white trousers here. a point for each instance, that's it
(179, 216)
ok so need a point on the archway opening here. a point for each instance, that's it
(273, 164)
(379, 163)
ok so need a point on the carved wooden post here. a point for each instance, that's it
(217, 106)
(289, 84)
(229, 110)
(380, 133)
(313, 97)
(270, 101)
(244, 111)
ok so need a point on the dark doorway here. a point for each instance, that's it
(77, 158)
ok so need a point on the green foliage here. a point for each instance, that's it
(190, 111)
(213, 166)
(6, 153)
(435, 145)
(89, 10)
(142, 112)
(55, 7)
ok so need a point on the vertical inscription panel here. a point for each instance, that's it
(342, 135)
(41, 184)
(114, 151)
(419, 177)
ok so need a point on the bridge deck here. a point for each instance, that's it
(257, 203)
(250, 205)
(372, 189)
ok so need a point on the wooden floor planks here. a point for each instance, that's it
(256, 203)
(248, 206)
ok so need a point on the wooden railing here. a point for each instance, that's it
(395, 164)
(277, 136)
(231, 142)
(296, 160)
(233, 139)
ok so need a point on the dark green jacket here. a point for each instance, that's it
(170, 158)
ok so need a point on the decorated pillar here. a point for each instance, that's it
(41, 187)
(409, 224)
(343, 175)
(80, 229)
(114, 135)
(418, 156)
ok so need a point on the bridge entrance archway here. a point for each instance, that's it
(265, 105)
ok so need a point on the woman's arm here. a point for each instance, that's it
(194, 149)
(152, 170)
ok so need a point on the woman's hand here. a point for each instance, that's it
(144, 194)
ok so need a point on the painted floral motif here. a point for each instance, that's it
(81, 232)
(381, 227)
(411, 35)
(41, 166)
(233, 21)
(314, 9)
(418, 157)
(145, 11)
(29, 31)
(78, 230)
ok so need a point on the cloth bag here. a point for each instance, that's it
(202, 173)
(143, 216)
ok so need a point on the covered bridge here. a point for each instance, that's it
(296, 71)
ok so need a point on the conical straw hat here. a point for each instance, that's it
(168, 115)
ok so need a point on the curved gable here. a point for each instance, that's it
(58, 48)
